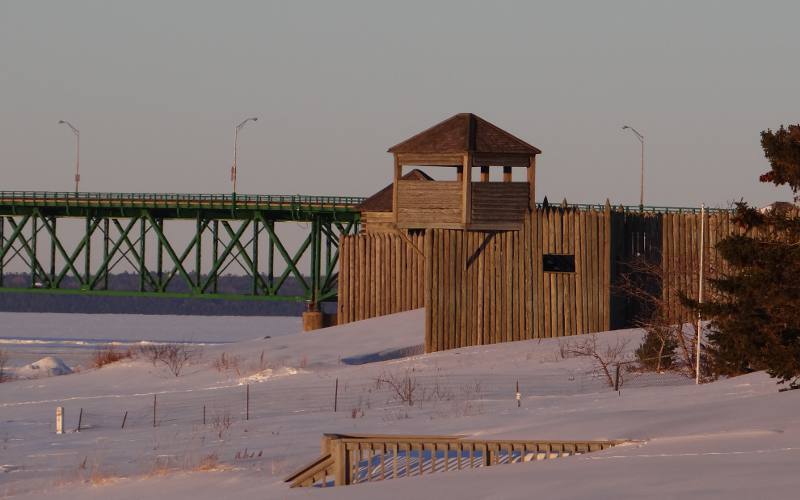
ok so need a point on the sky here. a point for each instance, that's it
(156, 89)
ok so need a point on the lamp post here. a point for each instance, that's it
(641, 182)
(236, 150)
(77, 154)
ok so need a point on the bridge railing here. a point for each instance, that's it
(634, 208)
(214, 200)
(347, 459)
(178, 199)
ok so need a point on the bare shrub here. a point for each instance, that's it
(437, 392)
(564, 348)
(404, 387)
(173, 356)
(108, 355)
(666, 344)
(603, 359)
(221, 424)
(226, 362)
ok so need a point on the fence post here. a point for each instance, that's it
(336, 396)
(616, 378)
(700, 291)
(80, 419)
(124, 418)
(59, 420)
(204, 414)
(154, 410)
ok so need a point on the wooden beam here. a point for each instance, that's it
(430, 225)
(498, 159)
(507, 174)
(466, 196)
(485, 173)
(430, 159)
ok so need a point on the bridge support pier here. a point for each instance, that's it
(312, 320)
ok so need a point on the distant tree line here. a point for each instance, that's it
(78, 303)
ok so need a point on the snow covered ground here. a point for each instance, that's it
(74, 337)
(736, 438)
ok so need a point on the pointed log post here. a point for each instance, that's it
(398, 172)
(532, 181)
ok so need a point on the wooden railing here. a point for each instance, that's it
(360, 459)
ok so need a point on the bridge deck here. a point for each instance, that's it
(178, 205)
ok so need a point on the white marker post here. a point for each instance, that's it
(700, 289)
(59, 420)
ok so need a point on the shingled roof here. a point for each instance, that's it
(464, 133)
(382, 200)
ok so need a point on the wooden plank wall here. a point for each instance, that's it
(379, 274)
(490, 287)
(680, 256)
(428, 202)
(481, 287)
(505, 200)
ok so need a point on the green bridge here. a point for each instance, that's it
(118, 228)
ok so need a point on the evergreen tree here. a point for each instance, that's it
(755, 318)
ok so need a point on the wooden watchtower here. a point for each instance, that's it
(463, 142)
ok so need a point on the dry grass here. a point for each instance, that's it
(248, 454)
(3, 363)
(163, 465)
(226, 362)
(89, 472)
(98, 478)
(108, 355)
(208, 463)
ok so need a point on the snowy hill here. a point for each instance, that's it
(734, 438)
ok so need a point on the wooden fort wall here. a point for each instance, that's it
(484, 287)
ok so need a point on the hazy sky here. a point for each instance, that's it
(156, 88)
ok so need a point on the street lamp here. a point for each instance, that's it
(77, 154)
(641, 184)
(236, 150)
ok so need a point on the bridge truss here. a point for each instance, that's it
(128, 228)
